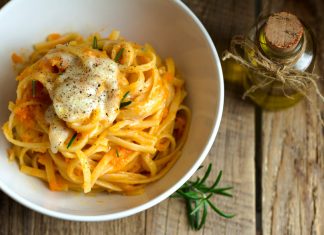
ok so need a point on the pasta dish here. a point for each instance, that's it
(96, 114)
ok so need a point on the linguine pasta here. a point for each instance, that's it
(97, 114)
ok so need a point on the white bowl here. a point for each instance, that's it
(174, 31)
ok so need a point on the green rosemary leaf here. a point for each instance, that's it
(124, 96)
(219, 190)
(203, 188)
(72, 140)
(119, 55)
(124, 104)
(33, 88)
(197, 194)
(209, 196)
(217, 180)
(117, 153)
(191, 218)
(185, 187)
(223, 191)
(224, 194)
(95, 43)
(199, 205)
(204, 216)
(196, 215)
(195, 183)
(206, 174)
(188, 195)
(218, 211)
(192, 195)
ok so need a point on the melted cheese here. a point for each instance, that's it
(87, 83)
(58, 132)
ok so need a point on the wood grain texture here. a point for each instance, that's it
(233, 152)
(293, 149)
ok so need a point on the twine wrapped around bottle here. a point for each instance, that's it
(272, 71)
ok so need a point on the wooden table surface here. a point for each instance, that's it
(274, 160)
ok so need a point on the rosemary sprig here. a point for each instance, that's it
(124, 103)
(71, 140)
(197, 196)
(119, 55)
(95, 43)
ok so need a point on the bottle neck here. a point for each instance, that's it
(279, 55)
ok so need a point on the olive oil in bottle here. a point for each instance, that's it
(284, 40)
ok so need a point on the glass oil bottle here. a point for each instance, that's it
(283, 39)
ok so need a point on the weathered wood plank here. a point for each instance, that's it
(293, 150)
(233, 151)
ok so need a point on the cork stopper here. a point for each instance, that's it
(283, 32)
